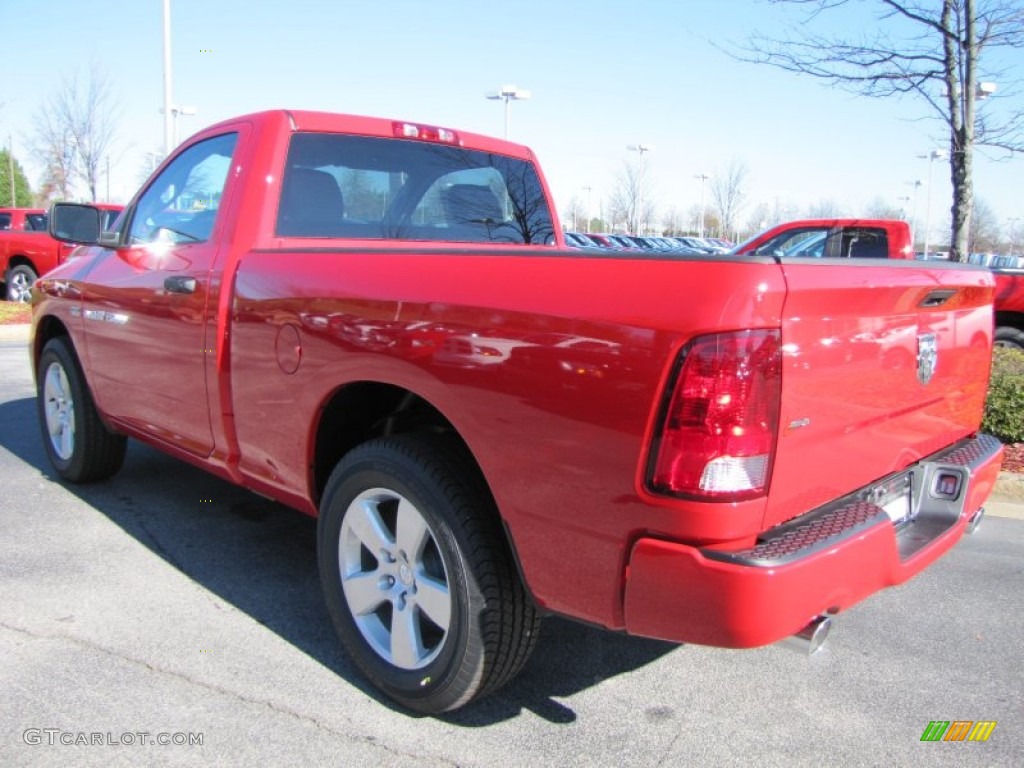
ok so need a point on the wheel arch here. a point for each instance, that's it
(49, 327)
(1010, 320)
(20, 260)
(362, 410)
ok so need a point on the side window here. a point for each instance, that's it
(805, 242)
(181, 204)
(36, 222)
(5, 221)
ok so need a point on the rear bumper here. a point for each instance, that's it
(822, 562)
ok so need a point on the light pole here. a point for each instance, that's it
(176, 111)
(508, 93)
(641, 149)
(589, 190)
(703, 179)
(931, 157)
(168, 127)
(916, 184)
(10, 163)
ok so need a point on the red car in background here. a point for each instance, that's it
(23, 219)
(833, 238)
(27, 250)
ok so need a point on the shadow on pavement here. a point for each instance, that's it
(261, 557)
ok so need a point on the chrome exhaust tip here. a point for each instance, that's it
(975, 521)
(811, 638)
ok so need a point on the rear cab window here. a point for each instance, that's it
(362, 187)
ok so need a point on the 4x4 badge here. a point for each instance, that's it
(927, 357)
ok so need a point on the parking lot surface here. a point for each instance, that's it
(166, 604)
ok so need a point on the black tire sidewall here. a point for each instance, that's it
(429, 689)
(1010, 336)
(56, 351)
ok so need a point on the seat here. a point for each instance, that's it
(311, 204)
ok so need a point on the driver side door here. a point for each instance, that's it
(149, 304)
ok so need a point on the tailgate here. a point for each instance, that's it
(883, 365)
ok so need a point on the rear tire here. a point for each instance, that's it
(78, 444)
(1008, 336)
(19, 283)
(417, 576)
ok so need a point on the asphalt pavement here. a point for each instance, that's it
(166, 605)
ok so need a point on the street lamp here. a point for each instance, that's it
(508, 93)
(703, 178)
(931, 157)
(175, 112)
(641, 149)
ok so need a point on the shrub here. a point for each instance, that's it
(1004, 406)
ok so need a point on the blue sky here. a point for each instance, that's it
(603, 74)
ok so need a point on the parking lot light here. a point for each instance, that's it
(508, 93)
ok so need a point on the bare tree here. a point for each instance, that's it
(673, 223)
(985, 233)
(75, 130)
(881, 209)
(727, 197)
(825, 209)
(575, 215)
(929, 49)
(760, 218)
(632, 199)
(53, 144)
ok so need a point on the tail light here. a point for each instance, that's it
(716, 433)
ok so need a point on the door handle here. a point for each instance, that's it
(180, 284)
(937, 298)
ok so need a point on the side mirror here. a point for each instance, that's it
(75, 223)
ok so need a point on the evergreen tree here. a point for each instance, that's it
(22, 190)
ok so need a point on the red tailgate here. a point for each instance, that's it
(860, 400)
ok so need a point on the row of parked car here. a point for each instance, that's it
(690, 246)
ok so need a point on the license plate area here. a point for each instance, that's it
(895, 497)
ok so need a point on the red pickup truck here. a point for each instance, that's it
(882, 238)
(27, 251)
(834, 238)
(1009, 308)
(378, 323)
(22, 219)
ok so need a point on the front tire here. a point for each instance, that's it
(417, 576)
(19, 283)
(78, 444)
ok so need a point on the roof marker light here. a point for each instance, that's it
(426, 133)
